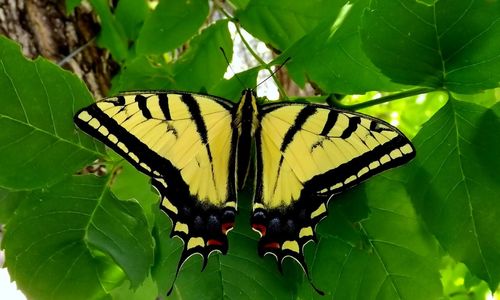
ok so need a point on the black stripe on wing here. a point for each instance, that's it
(301, 118)
(108, 131)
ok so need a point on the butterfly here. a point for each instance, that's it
(197, 150)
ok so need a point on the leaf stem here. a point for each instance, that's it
(221, 8)
(331, 100)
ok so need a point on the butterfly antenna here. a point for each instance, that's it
(231, 68)
(273, 73)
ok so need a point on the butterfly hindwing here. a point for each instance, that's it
(184, 142)
(305, 154)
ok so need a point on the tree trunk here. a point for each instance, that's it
(43, 27)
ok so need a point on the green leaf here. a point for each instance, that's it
(131, 14)
(200, 68)
(281, 23)
(73, 240)
(39, 143)
(459, 283)
(387, 255)
(112, 35)
(486, 98)
(455, 184)
(239, 4)
(170, 25)
(446, 44)
(147, 290)
(143, 73)
(132, 184)
(231, 89)
(203, 64)
(9, 201)
(338, 65)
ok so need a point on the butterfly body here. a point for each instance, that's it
(197, 150)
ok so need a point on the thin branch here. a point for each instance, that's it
(221, 8)
(78, 50)
(335, 103)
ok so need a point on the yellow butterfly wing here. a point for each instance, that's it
(185, 143)
(305, 154)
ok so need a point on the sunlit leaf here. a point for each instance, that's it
(338, 65)
(446, 44)
(455, 185)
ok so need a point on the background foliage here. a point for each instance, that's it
(428, 230)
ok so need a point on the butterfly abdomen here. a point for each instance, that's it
(246, 122)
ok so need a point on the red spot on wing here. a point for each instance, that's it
(260, 228)
(226, 227)
(214, 243)
(272, 245)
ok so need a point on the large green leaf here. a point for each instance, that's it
(200, 68)
(39, 143)
(446, 43)
(9, 201)
(171, 24)
(456, 187)
(385, 255)
(76, 241)
(338, 65)
(281, 23)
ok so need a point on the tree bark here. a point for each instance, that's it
(44, 28)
